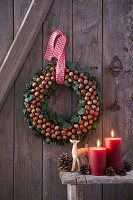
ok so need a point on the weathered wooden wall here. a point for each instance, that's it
(96, 31)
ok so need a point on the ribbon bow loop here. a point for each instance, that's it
(57, 51)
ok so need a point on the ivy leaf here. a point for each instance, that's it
(39, 73)
(30, 97)
(54, 117)
(73, 65)
(46, 117)
(74, 119)
(42, 100)
(98, 89)
(60, 119)
(94, 125)
(26, 94)
(95, 80)
(24, 111)
(26, 100)
(76, 87)
(47, 140)
(79, 118)
(45, 107)
(81, 111)
(66, 125)
(78, 93)
(82, 102)
(87, 74)
(25, 103)
(67, 84)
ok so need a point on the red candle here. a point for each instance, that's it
(97, 160)
(114, 151)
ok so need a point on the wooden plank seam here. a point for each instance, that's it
(21, 45)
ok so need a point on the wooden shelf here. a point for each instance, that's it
(76, 178)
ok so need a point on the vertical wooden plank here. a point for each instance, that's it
(7, 112)
(71, 192)
(80, 191)
(87, 50)
(92, 192)
(115, 192)
(59, 17)
(28, 148)
(87, 43)
(117, 40)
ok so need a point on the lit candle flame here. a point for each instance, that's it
(112, 133)
(98, 143)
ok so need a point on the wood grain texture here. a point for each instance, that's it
(71, 192)
(59, 17)
(87, 50)
(28, 148)
(117, 34)
(77, 178)
(7, 111)
(95, 34)
(87, 44)
(21, 45)
(96, 192)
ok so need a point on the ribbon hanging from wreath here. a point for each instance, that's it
(57, 51)
(52, 128)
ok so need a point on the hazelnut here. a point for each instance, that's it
(39, 121)
(38, 79)
(34, 123)
(34, 84)
(89, 127)
(85, 82)
(47, 134)
(70, 73)
(94, 87)
(56, 128)
(81, 75)
(91, 112)
(90, 90)
(32, 90)
(87, 87)
(42, 77)
(79, 132)
(37, 94)
(52, 78)
(75, 77)
(83, 91)
(76, 71)
(41, 86)
(58, 137)
(70, 80)
(81, 86)
(80, 80)
(88, 94)
(44, 82)
(66, 77)
(67, 70)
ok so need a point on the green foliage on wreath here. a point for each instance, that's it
(38, 115)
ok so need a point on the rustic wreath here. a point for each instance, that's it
(55, 129)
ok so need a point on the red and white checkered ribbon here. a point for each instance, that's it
(57, 50)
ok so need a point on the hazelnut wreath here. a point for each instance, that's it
(55, 129)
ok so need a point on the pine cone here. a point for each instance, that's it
(126, 166)
(64, 163)
(110, 171)
(121, 172)
(84, 169)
